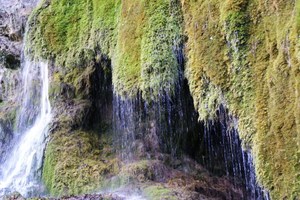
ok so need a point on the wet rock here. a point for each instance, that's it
(9, 48)
(146, 170)
(13, 17)
(5, 137)
(159, 179)
(14, 196)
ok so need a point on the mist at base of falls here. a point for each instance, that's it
(21, 167)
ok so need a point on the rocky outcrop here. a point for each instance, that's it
(13, 18)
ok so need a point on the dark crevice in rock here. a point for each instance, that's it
(101, 95)
(10, 61)
(222, 153)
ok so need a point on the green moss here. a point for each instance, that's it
(243, 54)
(105, 15)
(158, 192)
(205, 73)
(141, 171)
(252, 65)
(129, 174)
(144, 59)
(69, 32)
(138, 36)
(126, 61)
(77, 162)
(240, 94)
(160, 68)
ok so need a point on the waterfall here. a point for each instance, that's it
(224, 155)
(21, 169)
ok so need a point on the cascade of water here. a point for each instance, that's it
(21, 168)
(129, 124)
(224, 155)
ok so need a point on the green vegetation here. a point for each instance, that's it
(138, 36)
(126, 61)
(158, 192)
(159, 63)
(77, 162)
(71, 33)
(144, 59)
(243, 54)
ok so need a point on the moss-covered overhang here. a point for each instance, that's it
(244, 54)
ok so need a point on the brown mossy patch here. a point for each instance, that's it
(77, 162)
(159, 192)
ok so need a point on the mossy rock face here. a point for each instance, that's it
(79, 154)
(140, 37)
(72, 32)
(77, 162)
(245, 54)
(144, 170)
(239, 53)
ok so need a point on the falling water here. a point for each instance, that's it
(224, 155)
(21, 168)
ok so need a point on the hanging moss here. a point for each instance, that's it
(69, 32)
(244, 54)
(160, 69)
(145, 60)
(140, 37)
(157, 192)
(248, 50)
(126, 61)
(206, 74)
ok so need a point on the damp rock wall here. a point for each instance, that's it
(237, 53)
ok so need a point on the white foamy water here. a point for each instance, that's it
(129, 192)
(21, 170)
(129, 196)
